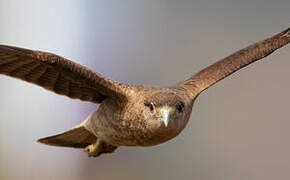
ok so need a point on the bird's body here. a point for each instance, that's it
(128, 115)
(129, 124)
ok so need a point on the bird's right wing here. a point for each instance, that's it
(58, 74)
(223, 68)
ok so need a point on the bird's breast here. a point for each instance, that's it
(124, 127)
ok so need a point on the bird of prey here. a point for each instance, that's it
(128, 115)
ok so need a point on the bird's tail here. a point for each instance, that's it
(78, 137)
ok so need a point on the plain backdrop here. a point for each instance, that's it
(239, 128)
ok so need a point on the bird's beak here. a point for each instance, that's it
(165, 115)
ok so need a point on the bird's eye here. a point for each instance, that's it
(180, 106)
(151, 106)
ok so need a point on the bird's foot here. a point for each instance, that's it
(99, 147)
(94, 150)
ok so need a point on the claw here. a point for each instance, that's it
(94, 150)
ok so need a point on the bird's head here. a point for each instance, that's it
(166, 110)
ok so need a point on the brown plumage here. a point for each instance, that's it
(128, 115)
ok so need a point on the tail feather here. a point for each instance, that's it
(78, 137)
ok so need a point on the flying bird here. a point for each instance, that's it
(128, 115)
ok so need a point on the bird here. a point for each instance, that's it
(127, 115)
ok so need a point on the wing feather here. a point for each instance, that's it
(223, 68)
(58, 74)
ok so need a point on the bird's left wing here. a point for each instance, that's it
(58, 74)
(234, 62)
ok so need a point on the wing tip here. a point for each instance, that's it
(286, 33)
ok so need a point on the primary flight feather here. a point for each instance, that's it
(128, 115)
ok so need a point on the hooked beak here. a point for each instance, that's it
(165, 115)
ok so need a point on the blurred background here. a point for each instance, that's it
(239, 128)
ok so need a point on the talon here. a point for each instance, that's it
(89, 149)
(94, 149)
(99, 147)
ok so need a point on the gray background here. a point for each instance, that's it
(239, 128)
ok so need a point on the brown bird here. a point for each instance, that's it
(128, 115)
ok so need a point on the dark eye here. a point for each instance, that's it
(150, 105)
(180, 106)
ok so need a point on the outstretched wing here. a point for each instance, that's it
(57, 74)
(234, 62)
